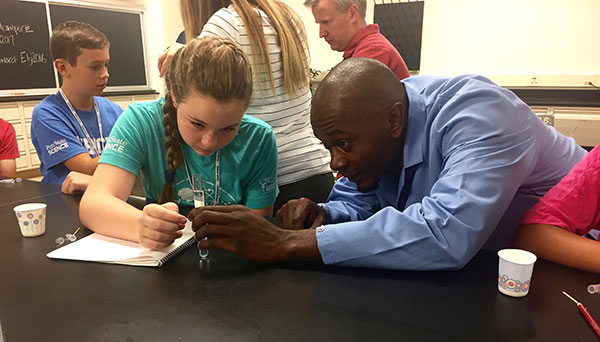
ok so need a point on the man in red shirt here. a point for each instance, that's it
(9, 150)
(342, 24)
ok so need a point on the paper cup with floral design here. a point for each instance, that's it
(515, 268)
(32, 218)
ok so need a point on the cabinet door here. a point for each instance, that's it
(581, 123)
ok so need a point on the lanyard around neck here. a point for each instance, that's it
(217, 174)
(85, 131)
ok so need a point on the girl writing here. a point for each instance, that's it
(198, 128)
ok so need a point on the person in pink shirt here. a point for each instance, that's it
(554, 228)
(343, 26)
(9, 150)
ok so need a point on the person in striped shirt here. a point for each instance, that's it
(273, 37)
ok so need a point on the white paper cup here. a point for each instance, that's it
(514, 271)
(32, 218)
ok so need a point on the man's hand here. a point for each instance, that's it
(75, 182)
(165, 58)
(300, 214)
(239, 230)
(160, 225)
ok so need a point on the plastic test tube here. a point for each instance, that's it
(593, 288)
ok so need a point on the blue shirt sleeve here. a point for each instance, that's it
(339, 209)
(55, 137)
(485, 155)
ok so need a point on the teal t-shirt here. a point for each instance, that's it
(248, 164)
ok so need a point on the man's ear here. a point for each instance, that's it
(353, 12)
(63, 67)
(396, 120)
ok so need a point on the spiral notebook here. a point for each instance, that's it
(100, 248)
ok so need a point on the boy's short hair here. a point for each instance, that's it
(69, 37)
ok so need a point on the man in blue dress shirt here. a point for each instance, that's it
(434, 168)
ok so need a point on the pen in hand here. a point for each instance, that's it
(586, 314)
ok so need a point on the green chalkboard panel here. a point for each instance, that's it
(25, 60)
(123, 30)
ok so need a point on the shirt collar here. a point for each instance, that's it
(358, 37)
(415, 135)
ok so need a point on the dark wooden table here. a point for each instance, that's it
(25, 191)
(231, 299)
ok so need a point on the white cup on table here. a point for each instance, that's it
(32, 218)
(515, 268)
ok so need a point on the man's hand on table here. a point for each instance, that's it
(299, 214)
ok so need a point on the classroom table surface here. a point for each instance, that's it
(231, 299)
(24, 191)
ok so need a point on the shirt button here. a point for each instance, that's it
(320, 229)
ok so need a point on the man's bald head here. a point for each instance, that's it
(359, 113)
(363, 84)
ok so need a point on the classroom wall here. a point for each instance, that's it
(527, 43)
(172, 23)
(515, 42)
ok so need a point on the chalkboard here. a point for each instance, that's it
(123, 30)
(402, 24)
(25, 60)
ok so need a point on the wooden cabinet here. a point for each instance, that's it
(580, 123)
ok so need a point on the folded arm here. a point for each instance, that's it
(346, 203)
(82, 163)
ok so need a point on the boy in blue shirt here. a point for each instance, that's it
(69, 129)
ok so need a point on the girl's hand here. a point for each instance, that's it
(165, 58)
(160, 225)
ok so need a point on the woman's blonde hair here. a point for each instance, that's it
(289, 26)
(214, 67)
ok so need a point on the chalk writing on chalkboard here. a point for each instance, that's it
(25, 61)
(11, 33)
